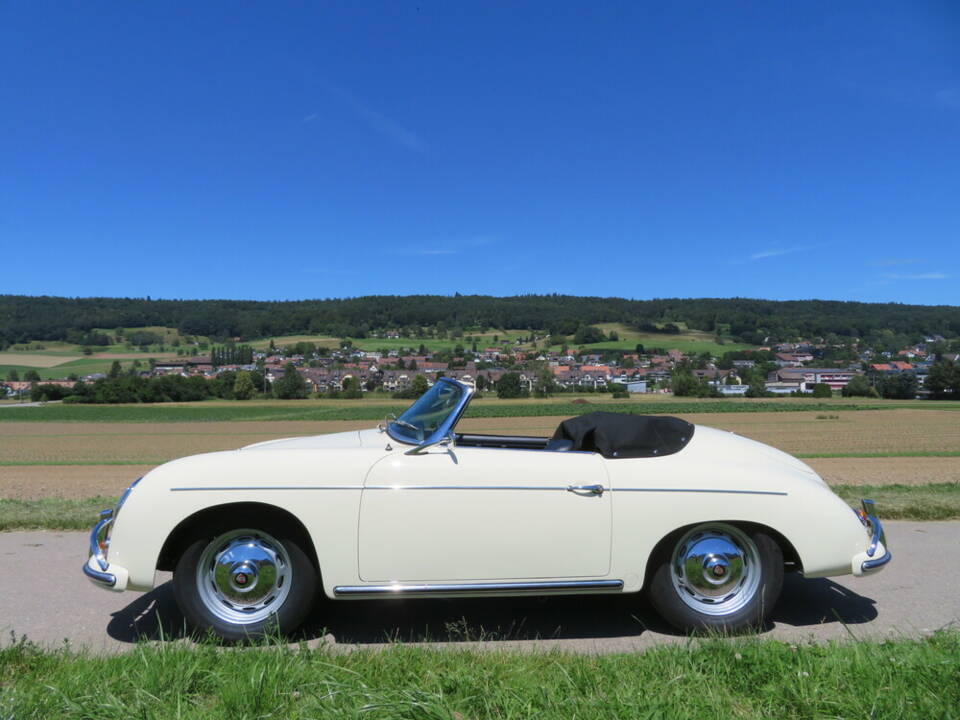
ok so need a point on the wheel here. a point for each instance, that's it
(244, 583)
(717, 576)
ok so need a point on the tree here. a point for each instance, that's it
(508, 386)
(757, 389)
(859, 386)
(587, 334)
(115, 370)
(684, 383)
(943, 380)
(822, 390)
(544, 386)
(243, 388)
(351, 388)
(419, 385)
(13, 375)
(31, 376)
(291, 386)
(901, 386)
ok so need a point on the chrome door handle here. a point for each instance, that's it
(588, 489)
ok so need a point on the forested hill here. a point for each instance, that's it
(24, 318)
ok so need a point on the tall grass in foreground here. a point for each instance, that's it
(707, 678)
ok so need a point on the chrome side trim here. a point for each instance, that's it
(876, 562)
(536, 588)
(472, 487)
(100, 577)
(270, 487)
(699, 490)
(465, 487)
(98, 529)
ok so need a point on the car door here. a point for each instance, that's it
(469, 513)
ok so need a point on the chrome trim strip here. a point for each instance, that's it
(876, 562)
(699, 490)
(471, 487)
(106, 518)
(400, 589)
(100, 577)
(270, 487)
(465, 487)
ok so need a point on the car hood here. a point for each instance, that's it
(340, 441)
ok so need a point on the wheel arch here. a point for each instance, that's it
(211, 520)
(663, 548)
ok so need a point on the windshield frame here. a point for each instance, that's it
(448, 423)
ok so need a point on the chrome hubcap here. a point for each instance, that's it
(244, 576)
(716, 569)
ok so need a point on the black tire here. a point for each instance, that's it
(245, 583)
(695, 595)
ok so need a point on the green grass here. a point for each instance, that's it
(687, 341)
(52, 514)
(933, 501)
(363, 410)
(746, 678)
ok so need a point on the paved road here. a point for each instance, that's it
(917, 593)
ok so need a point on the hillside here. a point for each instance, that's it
(751, 321)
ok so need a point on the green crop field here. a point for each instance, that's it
(322, 410)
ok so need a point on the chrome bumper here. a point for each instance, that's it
(98, 543)
(878, 540)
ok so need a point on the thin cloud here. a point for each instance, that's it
(311, 117)
(455, 249)
(777, 252)
(917, 276)
(893, 262)
(380, 123)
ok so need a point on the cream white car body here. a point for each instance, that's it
(453, 520)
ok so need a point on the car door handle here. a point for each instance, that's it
(586, 489)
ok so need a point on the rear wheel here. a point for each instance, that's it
(245, 583)
(718, 576)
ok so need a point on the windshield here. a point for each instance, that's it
(428, 413)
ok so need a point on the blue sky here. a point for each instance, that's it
(291, 150)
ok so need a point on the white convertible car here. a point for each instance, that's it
(704, 520)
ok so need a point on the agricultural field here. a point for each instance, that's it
(687, 341)
(79, 459)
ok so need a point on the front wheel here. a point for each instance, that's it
(718, 576)
(244, 583)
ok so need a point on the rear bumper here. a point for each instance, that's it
(877, 554)
(100, 572)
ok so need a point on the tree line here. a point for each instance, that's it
(27, 318)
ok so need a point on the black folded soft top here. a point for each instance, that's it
(621, 435)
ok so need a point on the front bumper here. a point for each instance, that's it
(877, 555)
(100, 572)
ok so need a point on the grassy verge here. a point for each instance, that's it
(934, 501)
(710, 678)
(239, 412)
(52, 514)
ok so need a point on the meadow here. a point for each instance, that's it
(744, 678)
